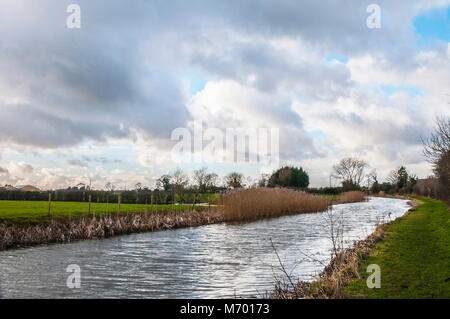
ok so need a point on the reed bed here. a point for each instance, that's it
(259, 203)
(55, 231)
(351, 197)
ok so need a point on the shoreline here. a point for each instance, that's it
(341, 269)
(109, 225)
(104, 226)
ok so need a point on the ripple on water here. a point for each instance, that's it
(202, 262)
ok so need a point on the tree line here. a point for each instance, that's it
(353, 174)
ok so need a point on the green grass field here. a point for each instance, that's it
(414, 257)
(34, 212)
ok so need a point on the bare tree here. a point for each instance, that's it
(164, 182)
(437, 152)
(263, 180)
(437, 149)
(350, 170)
(392, 177)
(109, 186)
(334, 223)
(211, 181)
(179, 180)
(234, 180)
(438, 144)
(200, 178)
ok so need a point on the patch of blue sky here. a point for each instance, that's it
(336, 57)
(412, 91)
(432, 25)
(196, 84)
(317, 134)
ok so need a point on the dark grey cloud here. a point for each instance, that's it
(3, 170)
(76, 163)
(121, 71)
(102, 160)
(25, 168)
(93, 83)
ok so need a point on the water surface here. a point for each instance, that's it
(213, 261)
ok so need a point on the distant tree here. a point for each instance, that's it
(109, 187)
(398, 177)
(289, 177)
(200, 179)
(263, 180)
(211, 181)
(179, 180)
(234, 180)
(164, 182)
(437, 152)
(437, 146)
(351, 171)
(401, 180)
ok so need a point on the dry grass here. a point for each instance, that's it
(351, 197)
(259, 203)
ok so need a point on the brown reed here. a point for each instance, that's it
(351, 197)
(102, 226)
(259, 203)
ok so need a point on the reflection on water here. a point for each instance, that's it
(203, 262)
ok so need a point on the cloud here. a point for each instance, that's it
(228, 104)
(124, 78)
(76, 163)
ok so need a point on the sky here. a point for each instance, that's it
(101, 102)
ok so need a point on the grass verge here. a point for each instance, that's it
(413, 253)
(414, 257)
(36, 212)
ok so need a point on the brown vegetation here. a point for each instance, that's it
(351, 197)
(100, 227)
(258, 203)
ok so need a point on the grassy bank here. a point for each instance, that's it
(413, 253)
(29, 222)
(414, 257)
(36, 212)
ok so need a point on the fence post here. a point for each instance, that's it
(209, 204)
(151, 203)
(173, 200)
(49, 203)
(146, 203)
(193, 203)
(119, 199)
(89, 209)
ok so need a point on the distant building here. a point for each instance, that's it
(29, 188)
(24, 188)
(10, 188)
